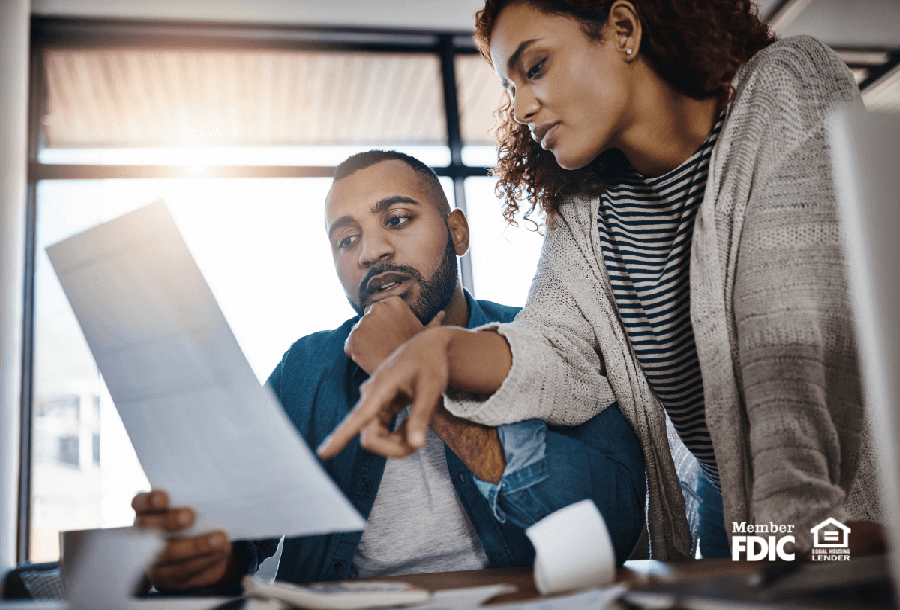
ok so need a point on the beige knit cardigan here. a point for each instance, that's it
(769, 307)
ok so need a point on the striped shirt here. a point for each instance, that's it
(645, 228)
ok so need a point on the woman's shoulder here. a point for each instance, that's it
(791, 65)
(793, 83)
(571, 229)
(795, 47)
(576, 214)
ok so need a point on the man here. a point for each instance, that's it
(463, 501)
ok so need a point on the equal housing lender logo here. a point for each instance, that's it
(830, 540)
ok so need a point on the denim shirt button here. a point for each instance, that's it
(462, 478)
(337, 566)
(367, 486)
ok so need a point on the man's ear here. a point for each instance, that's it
(459, 230)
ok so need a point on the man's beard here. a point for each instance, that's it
(434, 293)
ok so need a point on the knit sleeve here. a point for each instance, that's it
(557, 373)
(798, 363)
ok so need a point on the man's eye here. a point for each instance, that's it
(535, 70)
(346, 242)
(396, 221)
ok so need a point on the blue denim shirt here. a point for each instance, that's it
(318, 385)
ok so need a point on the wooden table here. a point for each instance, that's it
(634, 573)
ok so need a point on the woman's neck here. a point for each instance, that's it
(667, 126)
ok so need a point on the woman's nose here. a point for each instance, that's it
(525, 106)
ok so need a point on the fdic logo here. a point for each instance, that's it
(829, 541)
(761, 547)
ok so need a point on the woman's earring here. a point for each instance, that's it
(627, 51)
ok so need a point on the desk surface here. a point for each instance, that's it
(716, 579)
(634, 573)
(689, 584)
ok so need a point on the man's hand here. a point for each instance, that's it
(387, 325)
(207, 560)
(415, 374)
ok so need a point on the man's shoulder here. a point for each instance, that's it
(495, 312)
(320, 346)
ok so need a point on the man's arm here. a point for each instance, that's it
(476, 445)
(387, 325)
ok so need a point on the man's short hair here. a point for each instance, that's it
(363, 160)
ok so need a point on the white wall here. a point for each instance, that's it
(430, 14)
(13, 155)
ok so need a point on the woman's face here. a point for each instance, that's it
(572, 91)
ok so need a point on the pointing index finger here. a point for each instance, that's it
(364, 412)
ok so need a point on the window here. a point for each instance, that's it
(237, 130)
(67, 450)
(57, 421)
(504, 257)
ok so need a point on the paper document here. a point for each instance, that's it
(203, 427)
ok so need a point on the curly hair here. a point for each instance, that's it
(697, 46)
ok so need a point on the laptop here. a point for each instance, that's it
(866, 148)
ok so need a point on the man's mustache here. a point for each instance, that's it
(365, 292)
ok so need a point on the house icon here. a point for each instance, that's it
(830, 538)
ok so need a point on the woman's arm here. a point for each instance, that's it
(478, 361)
(557, 373)
(417, 373)
(798, 363)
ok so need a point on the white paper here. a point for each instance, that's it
(573, 549)
(203, 427)
(108, 567)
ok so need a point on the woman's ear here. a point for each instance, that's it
(624, 23)
(459, 231)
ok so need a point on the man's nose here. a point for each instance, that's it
(375, 249)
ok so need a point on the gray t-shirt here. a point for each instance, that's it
(417, 523)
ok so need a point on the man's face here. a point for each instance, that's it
(388, 239)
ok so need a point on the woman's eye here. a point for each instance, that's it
(535, 70)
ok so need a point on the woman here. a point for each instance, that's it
(692, 265)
